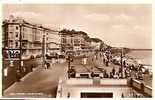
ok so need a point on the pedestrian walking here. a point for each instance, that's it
(120, 71)
(68, 95)
(125, 72)
(122, 95)
(31, 69)
(48, 65)
(117, 75)
(124, 63)
(111, 75)
(113, 71)
(45, 65)
(18, 75)
(92, 74)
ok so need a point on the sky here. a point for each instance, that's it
(118, 25)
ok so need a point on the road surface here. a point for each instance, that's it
(39, 83)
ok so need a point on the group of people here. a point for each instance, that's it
(47, 65)
(124, 70)
(133, 71)
(129, 71)
(71, 72)
(113, 74)
(106, 57)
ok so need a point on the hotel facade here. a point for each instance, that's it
(16, 30)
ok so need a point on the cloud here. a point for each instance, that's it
(29, 16)
(137, 27)
(98, 17)
(52, 26)
(26, 14)
(118, 26)
(123, 17)
(127, 24)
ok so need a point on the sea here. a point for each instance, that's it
(143, 56)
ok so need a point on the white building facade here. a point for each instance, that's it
(30, 35)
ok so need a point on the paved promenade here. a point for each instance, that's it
(39, 83)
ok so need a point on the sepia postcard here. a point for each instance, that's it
(77, 51)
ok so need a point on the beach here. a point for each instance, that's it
(144, 56)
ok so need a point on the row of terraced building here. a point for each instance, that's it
(31, 36)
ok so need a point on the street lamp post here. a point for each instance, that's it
(43, 50)
(20, 41)
(69, 64)
(69, 61)
(122, 62)
(68, 71)
(19, 67)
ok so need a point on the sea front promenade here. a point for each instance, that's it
(100, 81)
(93, 71)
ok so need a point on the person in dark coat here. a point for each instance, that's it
(120, 70)
(113, 71)
(111, 75)
(48, 65)
(92, 74)
(124, 63)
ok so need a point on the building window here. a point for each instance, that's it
(16, 44)
(16, 34)
(24, 45)
(64, 40)
(17, 27)
(11, 35)
(11, 44)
